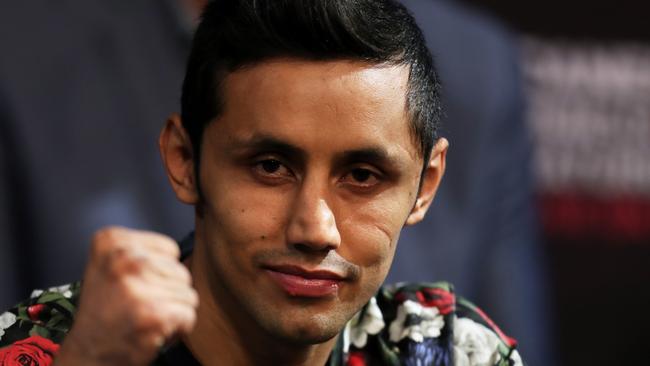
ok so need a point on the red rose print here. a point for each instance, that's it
(35, 311)
(356, 359)
(33, 351)
(443, 300)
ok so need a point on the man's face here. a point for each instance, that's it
(307, 177)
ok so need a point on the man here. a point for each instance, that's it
(306, 142)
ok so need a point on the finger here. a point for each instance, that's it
(166, 268)
(115, 238)
(183, 319)
(165, 292)
(152, 242)
(122, 261)
(166, 321)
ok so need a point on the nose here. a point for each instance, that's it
(312, 225)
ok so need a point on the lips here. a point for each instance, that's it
(299, 282)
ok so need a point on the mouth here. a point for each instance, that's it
(300, 282)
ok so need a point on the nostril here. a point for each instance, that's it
(303, 247)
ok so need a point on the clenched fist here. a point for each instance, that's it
(135, 296)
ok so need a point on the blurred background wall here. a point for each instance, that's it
(85, 87)
(586, 67)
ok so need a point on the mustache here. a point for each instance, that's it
(328, 261)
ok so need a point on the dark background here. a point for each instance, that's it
(600, 284)
(602, 20)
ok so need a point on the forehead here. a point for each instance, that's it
(338, 103)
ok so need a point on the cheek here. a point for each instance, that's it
(370, 233)
(242, 217)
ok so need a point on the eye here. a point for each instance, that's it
(361, 175)
(270, 166)
(361, 178)
(271, 169)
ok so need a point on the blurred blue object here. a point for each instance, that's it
(481, 233)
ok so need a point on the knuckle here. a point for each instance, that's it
(113, 263)
(181, 317)
(121, 262)
(194, 298)
(148, 318)
(129, 295)
(175, 250)
(184, 274)
(104, 240)
(108, 233)
(169, 246)
(191, 318)
(165, 244)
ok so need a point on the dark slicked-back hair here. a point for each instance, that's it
(238, 33)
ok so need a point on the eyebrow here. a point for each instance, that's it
(269, 143)
(372, 154)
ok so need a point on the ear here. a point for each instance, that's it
(178, 157)
(433, 173)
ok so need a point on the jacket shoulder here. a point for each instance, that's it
(426, 323)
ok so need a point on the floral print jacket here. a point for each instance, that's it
(405, 324)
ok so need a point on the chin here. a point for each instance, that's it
(306, 329)
(309, 335)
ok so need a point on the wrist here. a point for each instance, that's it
(74, 353)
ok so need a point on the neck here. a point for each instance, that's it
(224, 330)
